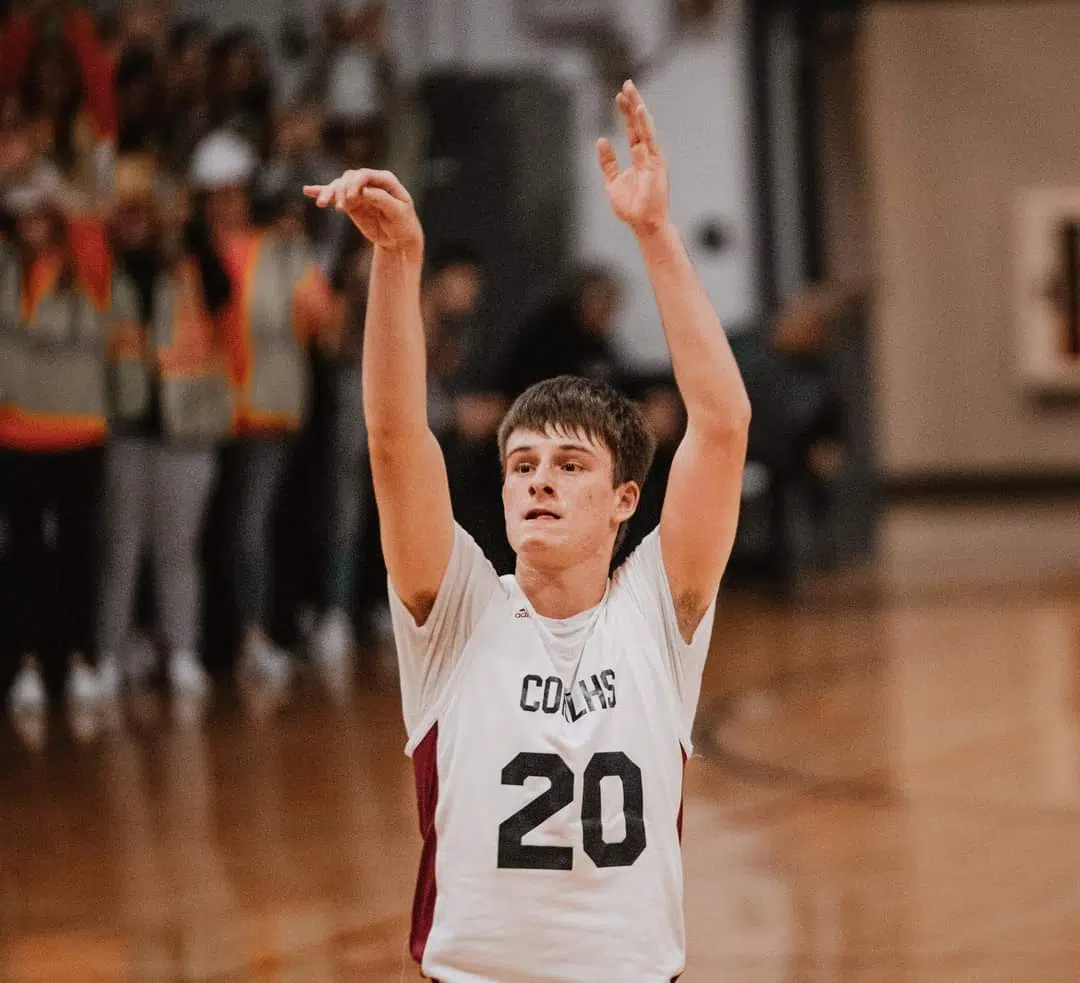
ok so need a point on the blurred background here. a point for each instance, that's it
(883, 200)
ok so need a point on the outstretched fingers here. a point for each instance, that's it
(609, 162)
(345, 191)
(647, 129)
(322, 193)
(622, 100)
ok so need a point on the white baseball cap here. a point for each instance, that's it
(352, 85)
(222, 159)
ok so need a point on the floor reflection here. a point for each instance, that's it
(882, 794)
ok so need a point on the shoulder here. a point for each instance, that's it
(642, 579)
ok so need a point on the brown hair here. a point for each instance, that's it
(595, 409)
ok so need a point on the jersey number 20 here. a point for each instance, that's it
(514, 854)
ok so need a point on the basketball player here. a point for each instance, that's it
(549, 712)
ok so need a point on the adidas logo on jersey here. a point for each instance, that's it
(521, 613)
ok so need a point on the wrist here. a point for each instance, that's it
(406, 253)
(658, 238)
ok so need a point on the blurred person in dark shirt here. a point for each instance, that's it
(52, 56)
(168, 413)
(186, 105)
(241, 88)
(141, 124)
(54, 295)
(573, 335)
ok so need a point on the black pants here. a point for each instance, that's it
(51, 501)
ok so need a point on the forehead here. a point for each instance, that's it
(551, 438)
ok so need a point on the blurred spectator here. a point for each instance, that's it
(801, 339)
(50, 54)
(350, 496)
(351, 74)
(169, 406)
(296, 159)
(241, 91)
(450, 300)
(280, 302)
(52, 426)
(463, 418)
(351, 78)
(186, 104)
(573, 335)
(140, 93)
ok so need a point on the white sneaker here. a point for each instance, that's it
(82, 683)
(29, 704)
(27, 694)
(109, 678)
(332, 641)
(186, 674)
(263, 663)
(83, 699)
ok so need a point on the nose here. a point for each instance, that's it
(541, 482)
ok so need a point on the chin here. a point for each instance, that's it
(537, 541)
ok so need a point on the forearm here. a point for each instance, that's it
(705, 370)
(394, 357)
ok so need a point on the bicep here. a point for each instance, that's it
(700, 515)
(417, 525)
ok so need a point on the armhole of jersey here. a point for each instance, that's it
(708, 618)
(435, 711)
(669, 616)
(428, 720)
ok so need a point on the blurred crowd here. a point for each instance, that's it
(182, 451)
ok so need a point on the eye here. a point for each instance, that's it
(522, 467)
(572, 466)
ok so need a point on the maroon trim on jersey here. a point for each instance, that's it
(682, 796)
(426, 772)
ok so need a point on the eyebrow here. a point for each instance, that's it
(529, 448)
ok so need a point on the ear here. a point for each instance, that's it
(627, 496)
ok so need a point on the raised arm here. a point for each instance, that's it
(411, 488)
(701, 507)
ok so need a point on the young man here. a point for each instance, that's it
(549, 712)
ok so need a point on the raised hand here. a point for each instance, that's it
(378, 205)
(639, 194)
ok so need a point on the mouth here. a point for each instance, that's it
(540, 515)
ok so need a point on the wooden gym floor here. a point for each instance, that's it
(884, 792)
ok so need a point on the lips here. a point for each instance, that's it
(540, 514)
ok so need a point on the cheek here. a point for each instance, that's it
(593, 501)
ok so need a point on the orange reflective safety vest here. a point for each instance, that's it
(53, 393)
(281, 303)
(181, 347)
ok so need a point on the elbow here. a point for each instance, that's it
(387, 437)
(740, 413)
(730, 421)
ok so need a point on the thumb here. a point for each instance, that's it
(609, 163)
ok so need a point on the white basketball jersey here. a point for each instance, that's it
(549, 785)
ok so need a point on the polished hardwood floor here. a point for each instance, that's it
(885, 791)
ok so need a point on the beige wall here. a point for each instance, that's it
(963, 103)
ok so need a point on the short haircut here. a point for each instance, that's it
(571, 404)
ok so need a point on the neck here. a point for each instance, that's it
(564, 592)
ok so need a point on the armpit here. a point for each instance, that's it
(690, 608)
(420, 607)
